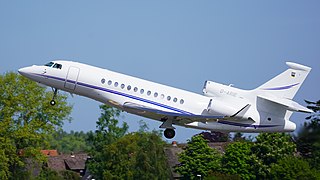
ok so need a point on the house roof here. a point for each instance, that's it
(76, 162)
(50, 152)
(63, 162)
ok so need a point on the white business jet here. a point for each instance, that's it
(220, 108)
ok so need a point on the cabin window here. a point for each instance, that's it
(175, 99)
(141, 91)
(129, 88)
(155, 94)
(109, 82)
(103, 80)
(122, 86)
(135, 89)
(162, 96)
(148, 93)
(116, 84)
(181, 101)
(168, 98)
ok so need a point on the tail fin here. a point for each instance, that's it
(286, 84)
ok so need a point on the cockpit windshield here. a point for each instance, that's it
(58, 66)
(54, 65)
(49, 64)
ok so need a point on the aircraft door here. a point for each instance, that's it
(72, 78)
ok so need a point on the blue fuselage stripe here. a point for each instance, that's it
(120, 94)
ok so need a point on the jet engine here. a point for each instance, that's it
(213, 89)
(217, 107)
(225, 100)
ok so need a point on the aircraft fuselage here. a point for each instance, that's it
(242, 110)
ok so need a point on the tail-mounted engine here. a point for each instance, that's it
(225, 100)
(213, 89)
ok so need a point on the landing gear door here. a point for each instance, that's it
(72, 78)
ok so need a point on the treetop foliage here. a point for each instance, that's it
(244, 159)
(238, 160)
(270, 147)
(198, 158)
(292, 167)
(308, 137)
(117, 155)
(26, 117)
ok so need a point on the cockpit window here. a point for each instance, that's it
(49, 64)
(58, 66)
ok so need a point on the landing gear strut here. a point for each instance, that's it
(169, 132)
(55, 91)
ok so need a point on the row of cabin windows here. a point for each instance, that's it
(135, 89)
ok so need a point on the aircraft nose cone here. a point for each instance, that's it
(23, 71)
(26, 72)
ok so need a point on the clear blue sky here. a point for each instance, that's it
(178, 43)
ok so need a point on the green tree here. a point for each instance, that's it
(238, 137)
(107, 132)
(293, 168)
(26, 117)
(118, 158)
(269, 148)
(308, 138)
(239, 160)
(117, 155)
(151, 162)
(67, 143)
(198, 158)
(136, 155)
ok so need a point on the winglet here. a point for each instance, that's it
(298, 66)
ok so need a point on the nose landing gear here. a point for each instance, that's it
(55, 91)
(52, 102)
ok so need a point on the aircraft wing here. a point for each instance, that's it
(158, 114)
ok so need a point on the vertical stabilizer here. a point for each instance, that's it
(286, 84)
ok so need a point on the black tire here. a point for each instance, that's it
(169, 133)
(52, 102)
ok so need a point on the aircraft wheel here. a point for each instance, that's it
(52, 102)
(169, 133)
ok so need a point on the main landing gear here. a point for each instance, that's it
(169, 132)
(55, 91)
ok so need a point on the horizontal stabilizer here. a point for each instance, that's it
(288, 103)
